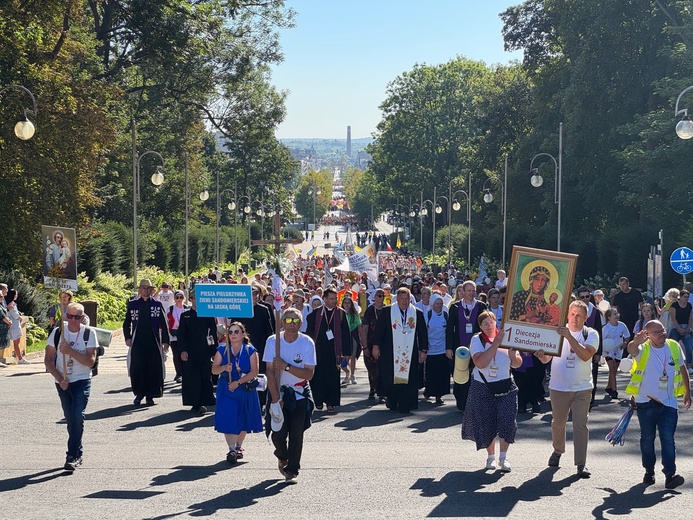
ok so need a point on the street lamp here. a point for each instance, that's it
(537, 180)
(246, 209)
(415, 210)
(424, 213)
(24, 129)
(314, 191)
(488, 198)
(157, 179)
(453, 204)
(684, 128)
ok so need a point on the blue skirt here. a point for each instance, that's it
(237, 411)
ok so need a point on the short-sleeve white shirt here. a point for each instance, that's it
(579, 377)
(299, 353)
(501, 361)
(79, 371)
(660, 360)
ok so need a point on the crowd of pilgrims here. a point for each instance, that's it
(349, 317)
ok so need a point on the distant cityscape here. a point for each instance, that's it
(318, 154)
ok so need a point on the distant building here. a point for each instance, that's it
(349, 142)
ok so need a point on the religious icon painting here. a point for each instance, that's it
(536, 304)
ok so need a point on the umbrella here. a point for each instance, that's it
(617, 434)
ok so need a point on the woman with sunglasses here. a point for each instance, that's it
(238, 408)
(173, 315)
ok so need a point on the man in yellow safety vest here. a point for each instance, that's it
(659, 378)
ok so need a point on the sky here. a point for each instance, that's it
(341, 55)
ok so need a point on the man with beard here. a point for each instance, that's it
(400, 345)
(146, 335)
(329, 329)
(197, 343)
(461, 327)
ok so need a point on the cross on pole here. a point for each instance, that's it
(277, 242)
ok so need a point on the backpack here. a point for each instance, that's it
(87, 333)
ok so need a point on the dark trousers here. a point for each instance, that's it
(372, 368)
(177, 362)
(74, 402)
(654, 416)
(293, 428)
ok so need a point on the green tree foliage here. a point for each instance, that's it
(303, 199)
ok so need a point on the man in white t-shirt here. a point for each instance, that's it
(295, 366)
(571, 385)
(70, 363)
(659, 380)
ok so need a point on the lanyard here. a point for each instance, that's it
(324, 315)
(467, 311)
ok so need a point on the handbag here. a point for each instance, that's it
(499, 388)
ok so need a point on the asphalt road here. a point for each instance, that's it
(363, 462)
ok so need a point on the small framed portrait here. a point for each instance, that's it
(536, 304)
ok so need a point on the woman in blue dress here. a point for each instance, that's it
(238, 409)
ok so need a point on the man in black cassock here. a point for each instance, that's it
(328, 327)
(197, 342)
(401, 389)
(146, 335)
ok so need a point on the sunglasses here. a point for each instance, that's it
(74, 316)
(235, 331)
(292, 320)
(584, 297)
(179, 297)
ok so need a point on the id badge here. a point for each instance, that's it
(493, 371)
(469, 328)
(210, 340)
(663, 383)
(70, 365)
(329, 334)
(570, 362)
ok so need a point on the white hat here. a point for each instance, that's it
(277, 416)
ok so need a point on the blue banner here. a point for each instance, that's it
(224, 300)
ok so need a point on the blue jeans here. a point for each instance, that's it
(687, 340)
(653, 416)
(74, 402)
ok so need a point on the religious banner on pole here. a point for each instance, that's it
(59, 251)
(536, 304)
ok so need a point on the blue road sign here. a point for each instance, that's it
(224, 300)
(682, 260)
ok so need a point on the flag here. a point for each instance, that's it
(389, 247)
(312, 252)
(482, 272)
(399, 242)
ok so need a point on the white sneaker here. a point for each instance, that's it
(505, 466)
(345, 381)
(490, 463)
(353, 380)
(24, 361)
(2, 365)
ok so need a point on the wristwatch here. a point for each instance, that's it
(287, 367)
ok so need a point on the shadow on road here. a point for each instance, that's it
(190, 473)
(157, 420)
(110, 413)
(205, 421)
(11, 484)
(464, 495)
(370, 419)
(635, 498)
(437, 421)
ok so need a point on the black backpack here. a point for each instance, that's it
(430, 313)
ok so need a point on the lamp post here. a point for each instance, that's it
(24, 129)
(246, 209)
(684, 128)
(488, 198)
(452, 203)
(314, 191)
(413, 213)
(537, 179)
(157, 179)
(232, 206)
(424, 213)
